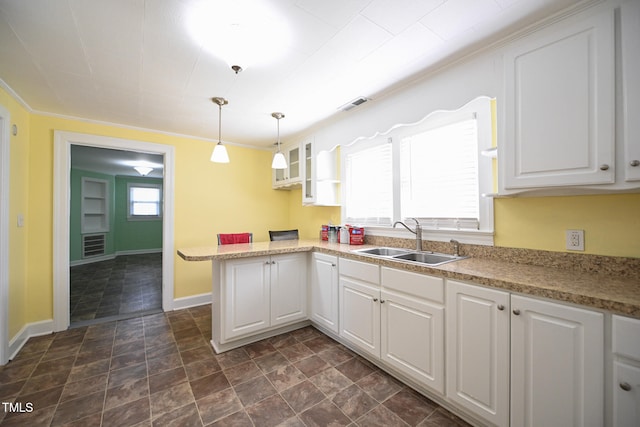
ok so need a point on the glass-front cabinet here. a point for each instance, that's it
(292, 175)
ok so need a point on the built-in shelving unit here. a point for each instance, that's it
(95, 206)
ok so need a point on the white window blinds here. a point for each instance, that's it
(439, 176)
(144, 201)
(369, 184)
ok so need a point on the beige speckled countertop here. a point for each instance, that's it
(618, 294)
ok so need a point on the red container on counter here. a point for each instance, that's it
(356, 235)
(325, 232)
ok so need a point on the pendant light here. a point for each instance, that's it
(279, 162)
(219, 154)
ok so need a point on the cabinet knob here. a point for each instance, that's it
(604, 167)
(375, 300)
(516, 312)
(500, 307)
(625, 386)
(333, 265)
(634, 163)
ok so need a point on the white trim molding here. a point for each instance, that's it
(5, 122)
(192, 301)
(61, 198)
(30, 330)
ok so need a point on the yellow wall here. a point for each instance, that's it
(611, 223)
(18, 204)
(309, 219)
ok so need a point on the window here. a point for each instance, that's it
(145, 200)
(432, 171)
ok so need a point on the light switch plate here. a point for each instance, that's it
(575, 240)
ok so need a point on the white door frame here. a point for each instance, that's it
(61, 198)
(5, 122)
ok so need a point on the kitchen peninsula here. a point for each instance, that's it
(524, 313)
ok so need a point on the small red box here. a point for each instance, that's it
(325, 232)
(356, 235)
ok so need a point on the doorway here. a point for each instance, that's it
(63, 144)
(115, 234)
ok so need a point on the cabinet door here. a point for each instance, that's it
(245, 293)
(294, 164)
(360, 315)
(308, 183)
(626, 395)
(478, 350)
(420, 353)
(559, 127)
(288, 288)
(324, 291)
(630, 28)
(557, 364)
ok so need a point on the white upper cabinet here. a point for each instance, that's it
(559, 106)
(292, 175)
(630, 30)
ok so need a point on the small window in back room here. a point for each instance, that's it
(145, 201)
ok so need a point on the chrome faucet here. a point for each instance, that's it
(417, 232)
(456, 247)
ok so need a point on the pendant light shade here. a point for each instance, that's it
(279, 162)
(219, 154)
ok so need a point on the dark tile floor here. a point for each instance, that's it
(160, 370)
(115, 289)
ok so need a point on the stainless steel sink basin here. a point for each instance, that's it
(428, 258)
(387, 252)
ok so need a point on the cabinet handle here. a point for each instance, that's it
(604, 167)
(634, 163)
(381, 301)
(267, 262)
(333, 265)
(625, 386)
(500, 307)
(273, 262)
(516, 312)
(375, 300)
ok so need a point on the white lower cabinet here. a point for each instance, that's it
(626, 371)
(263, 292)
(478, 350)
(412, 326)
(324, 291)
(519, 361)
(557, 364)
(360, 305)
(396, 316)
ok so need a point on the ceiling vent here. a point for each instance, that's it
(353, 104)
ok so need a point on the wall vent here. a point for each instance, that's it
(92, 245)
(353, 104)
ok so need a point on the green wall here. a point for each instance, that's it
(138, 235)
(123, 235)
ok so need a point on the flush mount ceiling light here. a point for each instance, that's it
(240, 32)
(279, 162)
(143, 170)
(219, 154)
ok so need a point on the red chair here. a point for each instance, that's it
(233, 238)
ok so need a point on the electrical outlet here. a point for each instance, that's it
(575, 240)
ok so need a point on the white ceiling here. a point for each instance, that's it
(135, 62)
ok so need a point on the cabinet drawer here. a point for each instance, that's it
(626, 337)
(419, 285)
(360, 270)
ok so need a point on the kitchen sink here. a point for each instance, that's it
(428, 258)
(387, 252)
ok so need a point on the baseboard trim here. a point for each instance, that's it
(29, 330)
(113, 256)
(192, 301)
